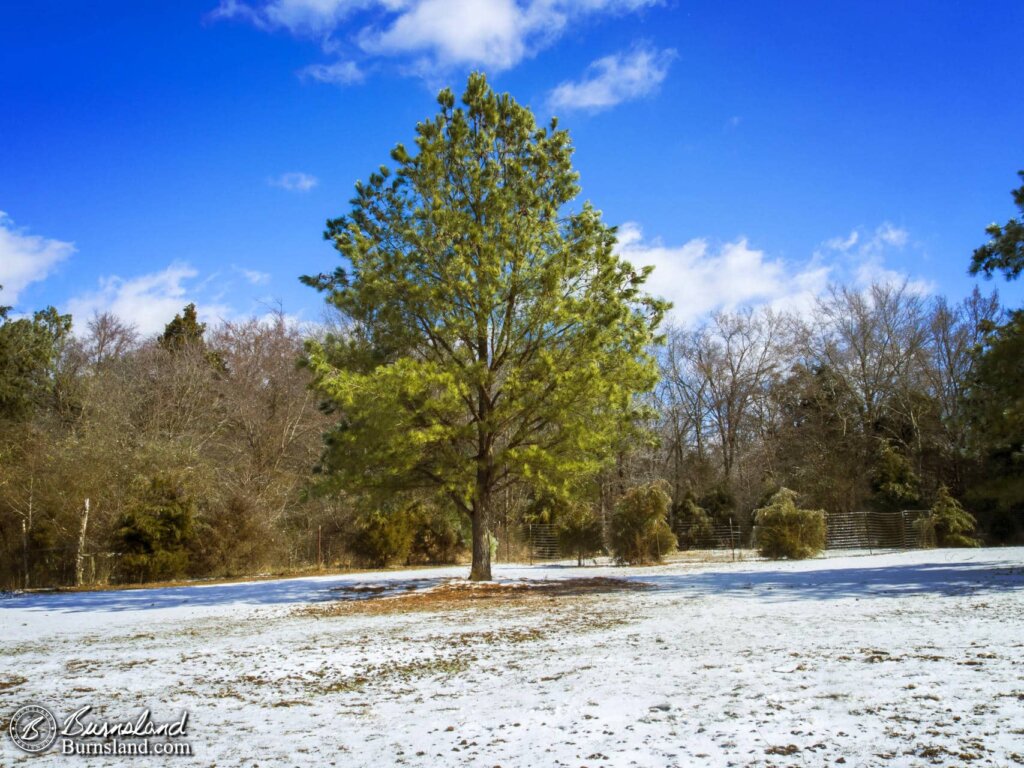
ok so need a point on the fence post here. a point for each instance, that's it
(79, 566)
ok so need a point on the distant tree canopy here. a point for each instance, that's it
(493, 336)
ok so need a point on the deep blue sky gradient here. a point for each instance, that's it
(146, 134)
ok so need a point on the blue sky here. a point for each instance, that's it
(153, 154)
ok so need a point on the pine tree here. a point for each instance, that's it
(494, 337)
(947, 524)
(1005, 251)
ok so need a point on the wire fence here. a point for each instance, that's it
(728, 535)
(542, 541)
(864, 529)
(873, 530)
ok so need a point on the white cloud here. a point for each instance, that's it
(614, 79)
(455, 31)
(26, 259)
(338, 73)
(428, 34)
(295, 181)
(699, 278)
(149, 301)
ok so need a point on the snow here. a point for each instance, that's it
(897, 659)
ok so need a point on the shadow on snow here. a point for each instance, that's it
(277, 592)
(867, 582)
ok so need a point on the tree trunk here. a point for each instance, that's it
(482, 495)
(24, 553)
(481, 568)
(79, 571)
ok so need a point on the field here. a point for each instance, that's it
(900, 659)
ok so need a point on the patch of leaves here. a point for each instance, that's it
(466, 594)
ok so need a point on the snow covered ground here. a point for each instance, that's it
(902, 659)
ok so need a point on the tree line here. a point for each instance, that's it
(201, 452)
(494, 362)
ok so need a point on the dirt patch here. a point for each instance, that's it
(466, 594)
(12, 681)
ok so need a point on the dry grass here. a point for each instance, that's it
(467, 594)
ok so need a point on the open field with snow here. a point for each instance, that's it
(902, 659)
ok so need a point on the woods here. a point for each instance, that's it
(493, 362)
(193, 455)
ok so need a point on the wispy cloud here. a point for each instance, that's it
(424, 36)
(864, 255)
(148, 301)
(254, 277)
(295, 181)
(26, 258)
(301, 17)
(614, 79)
(699, 278)
(338, 73)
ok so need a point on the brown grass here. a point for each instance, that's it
(467, 594)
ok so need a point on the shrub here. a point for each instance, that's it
(155, 531)
(379, 537)
(639, 530)
(439, 534)
(579, 532)
(947, 523)
(233, 538)
(692, 523)
(787, 531)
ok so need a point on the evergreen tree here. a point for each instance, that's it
(639, 531)
(691, 522)
(995, 396)
(1005, 251)
(28, 355)
(183, 331)
(156, 530)
(995, 405)
(493, 337)
(947, 524)
(579, 531)
(893, 482)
